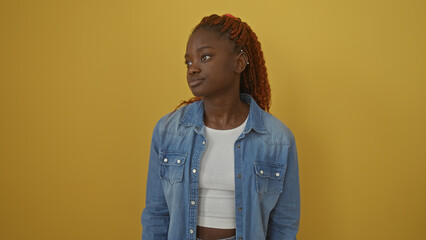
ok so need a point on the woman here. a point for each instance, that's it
(221, 167)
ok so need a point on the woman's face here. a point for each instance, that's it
(211, 64)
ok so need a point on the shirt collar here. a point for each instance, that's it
(193, 116)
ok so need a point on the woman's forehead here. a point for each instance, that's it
(211, 38)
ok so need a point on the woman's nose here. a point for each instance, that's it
(193, 69)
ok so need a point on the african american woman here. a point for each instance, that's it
(221, 166)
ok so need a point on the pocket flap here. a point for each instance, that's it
(172, 159)
(268, 170)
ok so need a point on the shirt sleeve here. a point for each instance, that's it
(155, 216)
(284, 218)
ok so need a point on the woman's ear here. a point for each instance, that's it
(242, 61)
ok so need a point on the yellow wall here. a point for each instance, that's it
(82, 84)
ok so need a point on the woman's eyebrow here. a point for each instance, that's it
(198, 49)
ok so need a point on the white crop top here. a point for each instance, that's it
(217, 183)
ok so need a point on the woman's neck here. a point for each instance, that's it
(225, 113)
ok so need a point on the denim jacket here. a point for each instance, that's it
(267, 195)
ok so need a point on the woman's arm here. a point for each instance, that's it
(155, 216)
(284, 218)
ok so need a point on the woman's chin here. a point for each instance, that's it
(197, 92)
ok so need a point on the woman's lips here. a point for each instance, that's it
(195, 82)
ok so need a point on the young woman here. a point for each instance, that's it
(221, 167)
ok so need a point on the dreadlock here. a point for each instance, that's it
(254, 79)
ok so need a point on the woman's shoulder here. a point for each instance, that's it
(172, 121)
(276, 129)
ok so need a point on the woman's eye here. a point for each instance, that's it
(205, 57)
(188, 63)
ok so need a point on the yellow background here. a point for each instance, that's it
(84, 82)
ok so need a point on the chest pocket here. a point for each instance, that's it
(269, 178)
(172, 166)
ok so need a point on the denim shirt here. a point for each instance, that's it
(267, 195)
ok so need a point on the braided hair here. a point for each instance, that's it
(254, 79)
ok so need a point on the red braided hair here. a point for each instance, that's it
(254, 79)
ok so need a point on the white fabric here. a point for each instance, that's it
(217, 184)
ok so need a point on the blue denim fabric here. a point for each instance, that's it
(267, 195)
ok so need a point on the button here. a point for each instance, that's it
(240, 238)
(166, 160)
(194, 170)
(277, 174)
(240, 209)
(192, 202)
(261, 171)
(198, 128)
(239, 176)
(191, 231)
(178, 161)
(204, 142)
(238, 146)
